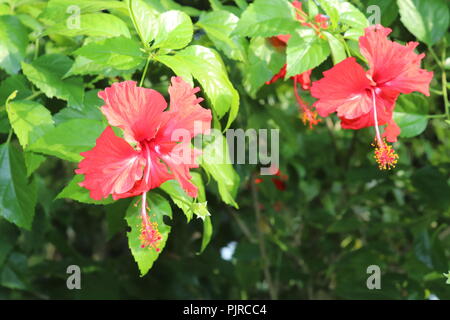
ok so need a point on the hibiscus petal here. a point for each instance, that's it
(158, 174)
(385, 102)
(344, 88)
(180, 160)
(392, 64)
(111, 167)
(304, 79)
(280, 41)
(186, 117)
(279, 75)
(391, 131)
(135, 110)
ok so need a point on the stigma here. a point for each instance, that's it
(385, 155)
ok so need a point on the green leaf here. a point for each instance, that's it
(242, 4)
(30, 120)
(17, 196)
(344, 12)
(75, 192)
(8, 238)
(159, 207)
(217, 5)
(179, 197)
(447, 275)
(4, 123)
(175, 30)
(13, 43)
(201, 210)
(4, 9)
(267, 18)
(69, 138)
(47, 72)
(185, 202)
(428, 20)
(305, 51)
(10, 279)
(350, 15)
(432, 187)
(388, 10)
(12, 275)
(119, 53)
(115, 216)
(62, 10)
(216, 162)
(14, 83)
(91, 24)
(90, 109)
(331, 11)
(145, 20)
(353, 34)
(337, 48)
(207, 224)
(32, 162)
(411, 114)
(207, 233)
(313, 10)
(264, 62)
(166, 5)
(353, 46)
(205, 65)
(218, 25)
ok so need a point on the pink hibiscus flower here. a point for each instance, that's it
(367, 98)
(155, 148)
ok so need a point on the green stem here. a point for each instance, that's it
(145, 72)
(435, 57)
(9, 136)
(444, 82)
(11, 6)
(34, 95)
(36, 48)
(347, 49)
(133, 18)
(436, 116)
(262, 246)
(438, 92)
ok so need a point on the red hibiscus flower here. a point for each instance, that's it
(367, 98)
(308, 115)
(155, 148)
(278, 180)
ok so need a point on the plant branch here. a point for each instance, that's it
(144, 72)
(242, 225)
(262, 245)
(444, 82)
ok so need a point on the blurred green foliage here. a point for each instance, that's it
(310, 235)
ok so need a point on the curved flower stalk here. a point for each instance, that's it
(156, 146)
(367, 98)
(307, 115)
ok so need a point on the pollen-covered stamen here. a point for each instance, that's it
(308, 116)
(150, 236)
(385, 155)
